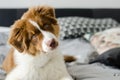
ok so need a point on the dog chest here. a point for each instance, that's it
(51, 71)
(41, 68)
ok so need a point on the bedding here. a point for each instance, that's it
(110, 58)
(79, 48)
(80, 70)
(94, 71)
(4, 48)
(3, 35)
(4, 32)
(107, 44)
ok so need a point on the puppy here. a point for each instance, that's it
(35, 54)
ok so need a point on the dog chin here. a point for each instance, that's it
(48, 50)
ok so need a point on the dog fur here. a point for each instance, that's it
(35, 53)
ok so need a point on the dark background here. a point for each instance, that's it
(8, 16)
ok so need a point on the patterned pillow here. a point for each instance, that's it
(72, 27)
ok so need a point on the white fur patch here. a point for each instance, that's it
(35, 24)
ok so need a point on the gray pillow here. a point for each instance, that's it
(110, 58)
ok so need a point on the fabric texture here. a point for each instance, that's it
(109, 58)
(4, 32)
(2, 72)
(4, 48)
(80, 48)
(94, 71)
(3, 38)
(72, 27)
(106, 40)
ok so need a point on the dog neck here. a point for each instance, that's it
(39, 60)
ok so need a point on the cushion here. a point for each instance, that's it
(106, 40)
(109, 58)
(72, 27)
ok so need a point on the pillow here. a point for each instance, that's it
(72, 27)
(106, 40)
(109, 58)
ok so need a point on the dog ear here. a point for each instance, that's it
(18, 38)
(39, 11)
(45, 10)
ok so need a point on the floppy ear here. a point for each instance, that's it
(45, 10)
(38, 11)
(18, 38)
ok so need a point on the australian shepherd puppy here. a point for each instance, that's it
(34, 54)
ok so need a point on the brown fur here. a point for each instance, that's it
(8, 63)
(69, 58)
(23, 37)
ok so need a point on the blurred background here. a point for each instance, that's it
(80, 22)
(10, 10)
(61, 3)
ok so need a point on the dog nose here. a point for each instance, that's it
(52, 43)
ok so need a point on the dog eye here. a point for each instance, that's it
(34, 37)
(46, 26)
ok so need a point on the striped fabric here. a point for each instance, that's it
(72, 27)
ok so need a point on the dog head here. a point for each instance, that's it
(37, 31)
